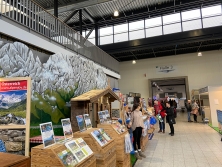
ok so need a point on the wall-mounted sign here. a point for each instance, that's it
(165, 69)
(203, 90)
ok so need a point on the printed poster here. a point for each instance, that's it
(107, 114)
(80, 122)
(47, 132)
(87, 121)
(13, 101)
(67, 128)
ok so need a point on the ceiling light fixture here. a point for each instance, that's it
(116, 13)
(199, 54)
(134, 62)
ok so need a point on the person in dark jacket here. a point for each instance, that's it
(170, 118)
(189, 109)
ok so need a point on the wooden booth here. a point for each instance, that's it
(90, 103)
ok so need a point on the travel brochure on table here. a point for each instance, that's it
(47, 132)
(67, 128)
(99, 137)
(80, 122)
(105, 135)
(87, 121)
(67, 158)
(118, 127)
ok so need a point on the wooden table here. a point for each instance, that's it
(12, 160)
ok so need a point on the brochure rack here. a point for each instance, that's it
(123, 159)
(48, 157)
(105, 155)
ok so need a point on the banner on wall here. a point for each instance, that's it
(13, 96)
(165, 69)
(219, 118)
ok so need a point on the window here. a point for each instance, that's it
(106, 31)
(171, 18)
(153, 22)
(190, 15)
(192, 25)
(120, 37)
(151, 32)
(92, 35)
(172, 28)
(136, 25)
(106, 40)
(212, 21)
(213, 10)
(121, 28)
(136, 34)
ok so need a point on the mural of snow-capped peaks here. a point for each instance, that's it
(55, 79)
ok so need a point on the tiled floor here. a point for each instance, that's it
(194, 144)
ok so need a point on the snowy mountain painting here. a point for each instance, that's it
(54, 81)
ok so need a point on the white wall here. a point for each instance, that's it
(201, 71)
(30, 37)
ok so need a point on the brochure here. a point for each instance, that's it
(80, 142)
(67, 158)
(104, 116)
(87, 121)
(99, 137)
(87, 150)
(72, 145)
(105, 135)
(107, 114)
(80, 122)
(67, 128)
(101, 118)
(118, 127)
(47, 132)
(80, 155)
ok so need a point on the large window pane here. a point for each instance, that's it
(136, 34)
(172, 28)
(151, 32)
(106, 31)
(153, 22)
(121, 37)
(92, 35)
(121, 28)
(213, 10)
(192, 25)
(106, 40)
(212, 21)
(171, 18)
(136, 25)
(192, 14)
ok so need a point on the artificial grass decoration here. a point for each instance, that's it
(216, 128)
(132, 159)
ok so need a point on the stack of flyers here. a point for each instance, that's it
(99, 137)
(67, 158)
(67, 128)
(84, 147)
(116, 128)
(87, 121)
(105, 135)
(80, 122)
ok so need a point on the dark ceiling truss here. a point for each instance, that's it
(143, 12)
(70, 16)
(167, 45)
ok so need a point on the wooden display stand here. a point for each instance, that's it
(47, 157)
(90, 103)
(105, 155)
(13, 160)
(123, 159)
(25, 127)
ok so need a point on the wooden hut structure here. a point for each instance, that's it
(90, 103)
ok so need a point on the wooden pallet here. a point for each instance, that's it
(105, 155)
(47, 157)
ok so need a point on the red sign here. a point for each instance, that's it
(12, 85)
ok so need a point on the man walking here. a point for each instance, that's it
(189, 109)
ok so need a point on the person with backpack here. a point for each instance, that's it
(189, 109)
(170, 117)
(137, 125)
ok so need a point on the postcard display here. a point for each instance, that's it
(15, 95)
(101, 144)
(118, 132)
(71, 153)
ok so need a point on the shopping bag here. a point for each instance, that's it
(128, 144)
(153, 120)
(158, 116)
